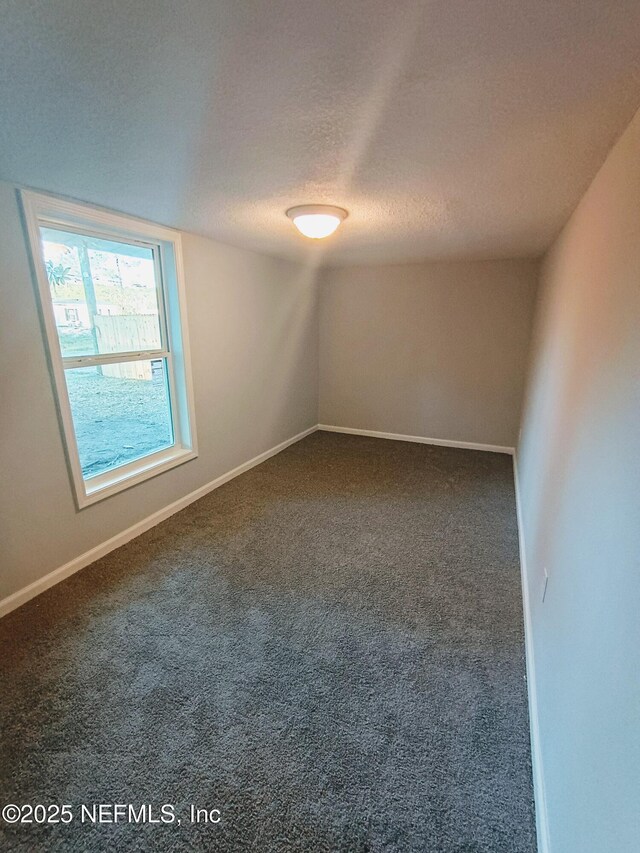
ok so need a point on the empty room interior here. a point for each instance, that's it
(320, 407)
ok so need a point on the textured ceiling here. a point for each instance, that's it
(446, 128)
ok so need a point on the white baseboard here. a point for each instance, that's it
(23, 595)
(394, 436)
(542, 822)
(32, 590)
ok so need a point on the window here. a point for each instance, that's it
(113, 311)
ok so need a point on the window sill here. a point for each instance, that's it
(112, 482)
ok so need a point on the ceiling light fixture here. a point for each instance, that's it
(316, 220)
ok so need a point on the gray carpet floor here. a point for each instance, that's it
(327, 649)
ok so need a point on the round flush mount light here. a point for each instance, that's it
(316, 220)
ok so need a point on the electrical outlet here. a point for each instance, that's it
(545, 581)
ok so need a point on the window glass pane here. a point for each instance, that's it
(104, 293)
(121, 412)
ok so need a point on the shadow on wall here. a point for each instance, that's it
(290, 336)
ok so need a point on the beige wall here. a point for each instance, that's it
(579, 473)
(253, 329)
(433, 349)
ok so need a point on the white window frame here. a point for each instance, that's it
(42, 210)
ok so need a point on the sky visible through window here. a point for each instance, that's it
(105, 301)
